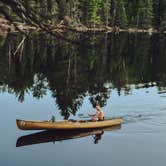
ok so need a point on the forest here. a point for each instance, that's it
(143, 14)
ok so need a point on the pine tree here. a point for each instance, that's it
(105, 12)
(90, 12)
(131, 11)
(163, 15)
(144, 15)
(120, 14)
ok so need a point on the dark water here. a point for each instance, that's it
(124, 73)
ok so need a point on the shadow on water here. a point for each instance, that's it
(61, 135)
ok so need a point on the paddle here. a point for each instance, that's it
(83, 116)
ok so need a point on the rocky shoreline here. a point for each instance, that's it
(6, 27)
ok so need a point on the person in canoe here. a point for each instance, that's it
(99, 115)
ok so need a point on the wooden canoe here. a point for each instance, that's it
(67, 124)
(60, 135)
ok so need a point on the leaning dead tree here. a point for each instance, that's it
(24, 12)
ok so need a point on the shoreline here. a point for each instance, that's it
(116, 30)
(7, 27)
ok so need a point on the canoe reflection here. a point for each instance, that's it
(60, 135)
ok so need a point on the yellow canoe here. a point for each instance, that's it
(67, 124)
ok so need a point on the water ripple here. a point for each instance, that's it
(156, 119)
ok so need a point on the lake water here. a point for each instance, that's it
(124, 73)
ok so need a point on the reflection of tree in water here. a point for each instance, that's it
(71, 72)
(99, 95)
(39, 87)
(68, 101)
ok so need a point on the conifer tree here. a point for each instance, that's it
(144, 15)
(120, 14)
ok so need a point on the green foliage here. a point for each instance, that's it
(91, 13)
(120, 14)
(159, 10)
(144, 15)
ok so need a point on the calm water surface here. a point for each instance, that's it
(124, 73)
